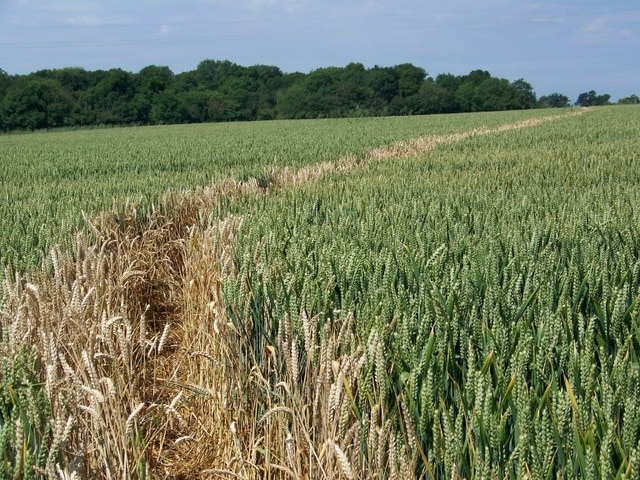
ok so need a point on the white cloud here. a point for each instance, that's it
(630, 35)
(92, 20)
(596, 26)
(61, 6)
(609, 28)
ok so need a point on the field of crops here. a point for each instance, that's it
(463, 305)
(48, 179)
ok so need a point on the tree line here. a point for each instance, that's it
(224, 91)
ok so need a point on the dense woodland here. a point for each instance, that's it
(224, 91)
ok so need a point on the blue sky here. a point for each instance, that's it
(566, 46)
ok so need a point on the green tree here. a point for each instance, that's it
(410, 78)
(235, 100)
(592, 99)
(631, 100)
(450, 83)
(155, 79)
(72, 79)
(166, 109)
(110, 101)
(5, 82)
(224, 91)
(40, 103)
(554, 100)
(434, 98)
(473, 91)
(75, 81)
(352, 90)
(480, 92)
(477, 95)
(383, 85)
(321, 93)
(293, 102)
(523, 95)
(430, 98)
(212, 74)
(476, 77)
(185, 81)
(266, 82)
(193, 106)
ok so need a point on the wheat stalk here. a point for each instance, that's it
(343, 460)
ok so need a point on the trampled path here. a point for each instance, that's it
(401, 149)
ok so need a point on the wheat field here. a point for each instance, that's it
(459, 299)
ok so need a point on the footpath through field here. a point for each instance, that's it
(401, 149)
